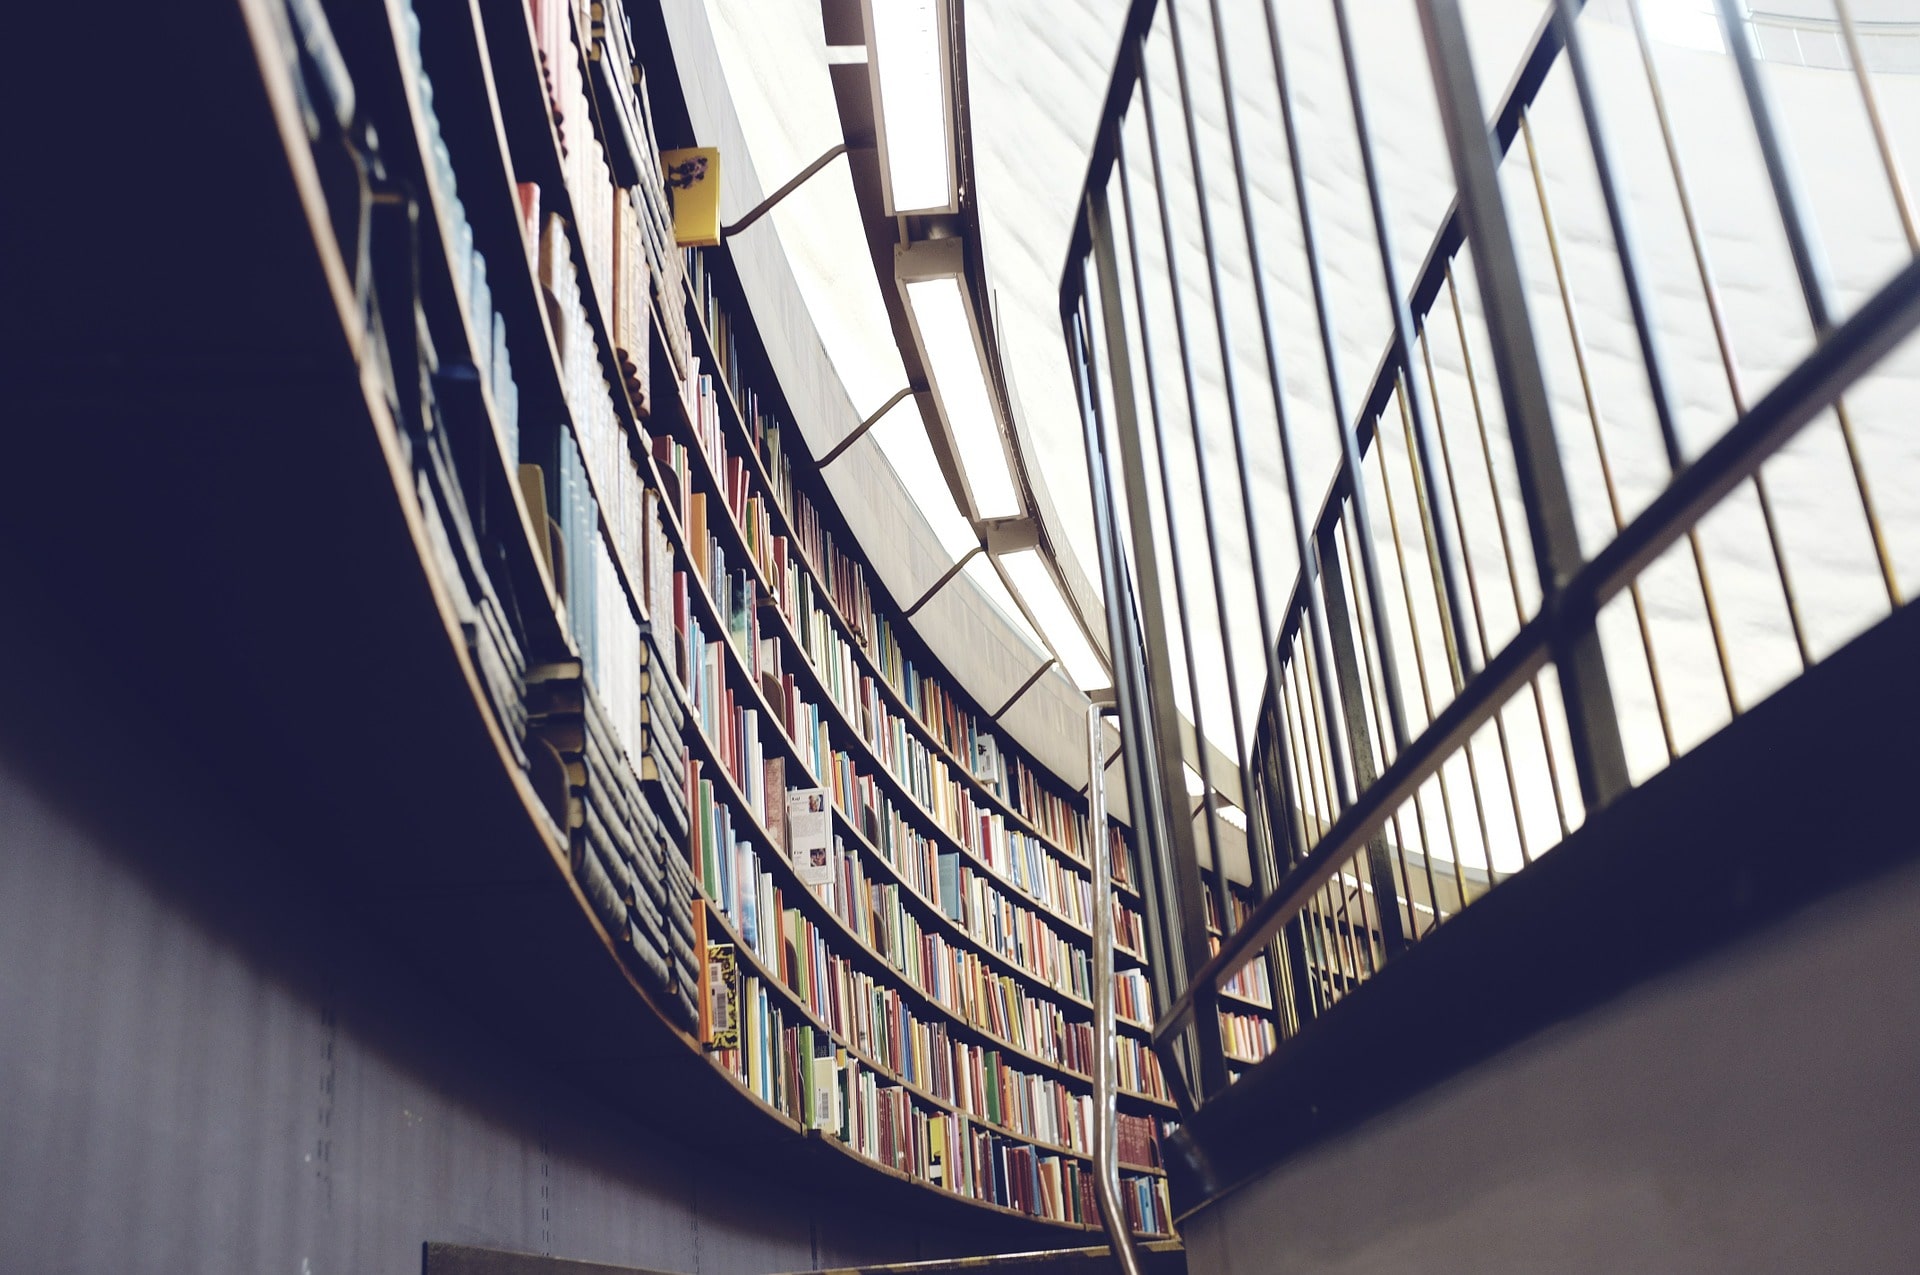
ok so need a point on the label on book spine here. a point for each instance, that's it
(722, 989)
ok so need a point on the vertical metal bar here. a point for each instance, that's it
(1399, 835)
(1902, 201)
(1303, 751)
(1567, 13)
(1599, 758)
(1809, 262)
(1473, 590)
(1413, 625)
(1185, 864)
(1105, 1033)
(1174, 539)
(1256, 554)
(1589, 395)
(1453, 625)
(1343, 775)
(1808, 259)
(1347, 673)
(1292, 944)
(1132, 692)
(1711, 292)
(1506, 542)
(1429, 517)
(1344, 425)
(1321, 731)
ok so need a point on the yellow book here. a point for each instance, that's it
(937, 1152)
(693, 182)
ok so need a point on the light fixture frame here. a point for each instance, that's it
(943, 19)
(925, 261)
(1009, 537)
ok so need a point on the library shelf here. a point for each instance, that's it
(499, 158)
(734, 417)
(770, 977)
(772, 722)
(735, 544)
(449, 303)
(346, 658)
(860, 948)
(749, 687)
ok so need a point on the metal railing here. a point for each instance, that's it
(1440, 696)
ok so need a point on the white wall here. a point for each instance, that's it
(1753, 1113)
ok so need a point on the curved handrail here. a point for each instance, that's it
(1329, 816)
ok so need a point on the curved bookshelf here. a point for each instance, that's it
(856, 641)
(773, 727)
(527, 821)
(703, 474)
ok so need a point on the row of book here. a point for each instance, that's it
(734, 730)
(624, 846)
(1022, 861)
(1137, 1141)
(909, 945)
(606, 454)
(1133, 997)
(441, 405)
(1138, 1070)
(614, 178)
(926, 776)
(825, 981)
(1247, 1037)
(1015, 933)
(897, 744)
(792, 1069)
(1149, 1209)
(854, 1004)
(937, 712)
(486, 327)
(604, 733)
(494, 645)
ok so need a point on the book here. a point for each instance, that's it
(810, 836)
(826, 1083)
(693, 182)
(774, 776)
(720, 1004)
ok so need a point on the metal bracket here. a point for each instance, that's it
(767, 205)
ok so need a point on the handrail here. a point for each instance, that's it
(1106, 1156)
(1334, 784)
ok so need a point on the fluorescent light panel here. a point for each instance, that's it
(1028, 571)
(913, 104)
(953, 359)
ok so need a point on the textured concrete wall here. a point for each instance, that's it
(1754, 1113)
(206, 1067)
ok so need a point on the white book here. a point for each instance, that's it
(810, 835)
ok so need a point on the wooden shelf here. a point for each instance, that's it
(823, 914)
(503, 157)
(735, 544)
(770, 977)
(745, 684)
(747, 448)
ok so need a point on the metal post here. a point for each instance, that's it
(1130, 690)
(1106, 1155)
(1598, 756)
(1183, 859)
(1353, 705)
